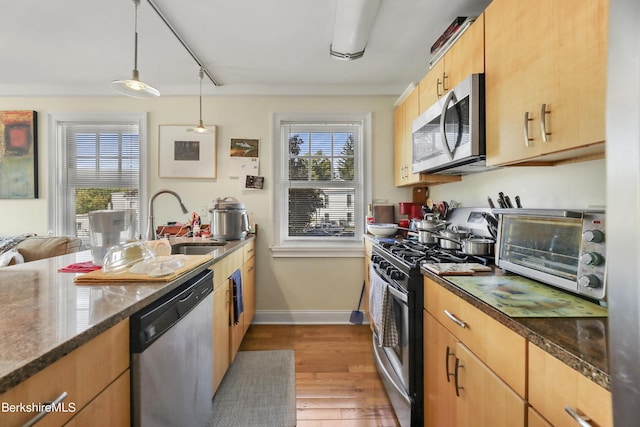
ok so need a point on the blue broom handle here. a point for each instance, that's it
(361, 294)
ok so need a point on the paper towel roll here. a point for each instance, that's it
(160, 247)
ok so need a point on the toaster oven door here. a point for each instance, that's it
(542, 248)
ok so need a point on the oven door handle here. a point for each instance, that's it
(387, 375)
(399, 295)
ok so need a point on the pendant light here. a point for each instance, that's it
(200, 128)
(134, 87)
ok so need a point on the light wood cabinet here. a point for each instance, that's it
(227, 335)
(475, 367)
(500, 348)
(553, 386)
(545, 80)
(465, 57)
(460, 390)
(84, 374)
(110, 409)
(404, 116)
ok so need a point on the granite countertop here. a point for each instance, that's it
(46, 316)
(580, 343)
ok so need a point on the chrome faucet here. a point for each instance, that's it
(151, 228)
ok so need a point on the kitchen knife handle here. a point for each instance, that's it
(491, 204)
(583, 421)
(518, 204)
(507, 201)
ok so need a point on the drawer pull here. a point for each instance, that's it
(583, 421)
(458, 387)
(44, 412)
(543, 123)
(446, 364)
(526, 129)
(455, 319)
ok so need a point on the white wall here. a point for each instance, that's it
(576, 185)
(299, 284)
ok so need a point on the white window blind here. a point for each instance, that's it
(97, 164)
(321, 183)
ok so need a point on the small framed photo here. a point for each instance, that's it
(254, 182)
(182, 154)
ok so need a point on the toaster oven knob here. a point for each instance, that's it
(589, 281)
(593, 236)
(591, 258)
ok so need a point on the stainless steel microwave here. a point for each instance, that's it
(449, 137)
(562, 248)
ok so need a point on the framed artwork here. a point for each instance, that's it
(186, 155)
(18, 155)
(242, 147)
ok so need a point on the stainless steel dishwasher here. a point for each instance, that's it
(171, 357)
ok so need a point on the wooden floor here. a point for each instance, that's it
(337, 384)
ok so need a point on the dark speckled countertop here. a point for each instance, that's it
(46, 316)
(580, 343)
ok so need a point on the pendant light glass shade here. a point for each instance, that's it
(134, 87)
(200, 128)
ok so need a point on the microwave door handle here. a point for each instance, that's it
(443, 119)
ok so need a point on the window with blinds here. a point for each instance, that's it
(98, 167)
(321, 187)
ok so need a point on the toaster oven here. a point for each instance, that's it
(561, 248)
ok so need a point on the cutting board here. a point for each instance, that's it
(99, 277)
(455, 269)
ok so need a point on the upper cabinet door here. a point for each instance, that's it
(545, 65)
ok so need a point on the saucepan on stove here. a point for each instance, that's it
(472, 245)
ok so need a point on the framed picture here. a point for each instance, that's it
(182, 154)
(18, 155)
(243, 147)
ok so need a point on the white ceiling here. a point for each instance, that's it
(254, 47)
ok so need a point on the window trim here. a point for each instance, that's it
(294, 248)
(55, 222)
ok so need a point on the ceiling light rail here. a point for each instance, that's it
(184, 44)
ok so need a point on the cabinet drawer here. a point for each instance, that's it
(110, 409)
(83, 374)
(501, 349)
(249, 250)
(554, 386)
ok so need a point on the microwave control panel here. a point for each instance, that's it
(592, 260)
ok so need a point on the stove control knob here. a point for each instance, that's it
(589, 281)
(591, 258)
(593, 236)
(396, 275)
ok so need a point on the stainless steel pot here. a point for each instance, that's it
(229, 219)
(456, 235)
(471, 245)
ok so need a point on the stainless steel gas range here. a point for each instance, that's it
(396, 305)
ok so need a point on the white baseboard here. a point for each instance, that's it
(302, 317)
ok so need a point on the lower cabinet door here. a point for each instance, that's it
(484, 399)
(111, 408)
(536, 420)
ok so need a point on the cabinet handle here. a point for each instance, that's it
(526, 129)
(543, 123)
(44, 412)
(455, 319)
(444, 86)
(458, 386)
(438, 83)
(446, 364)
(583, 421)
(250, 270)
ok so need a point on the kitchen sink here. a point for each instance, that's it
(196, 248)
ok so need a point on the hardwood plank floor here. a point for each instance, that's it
(337, 384)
